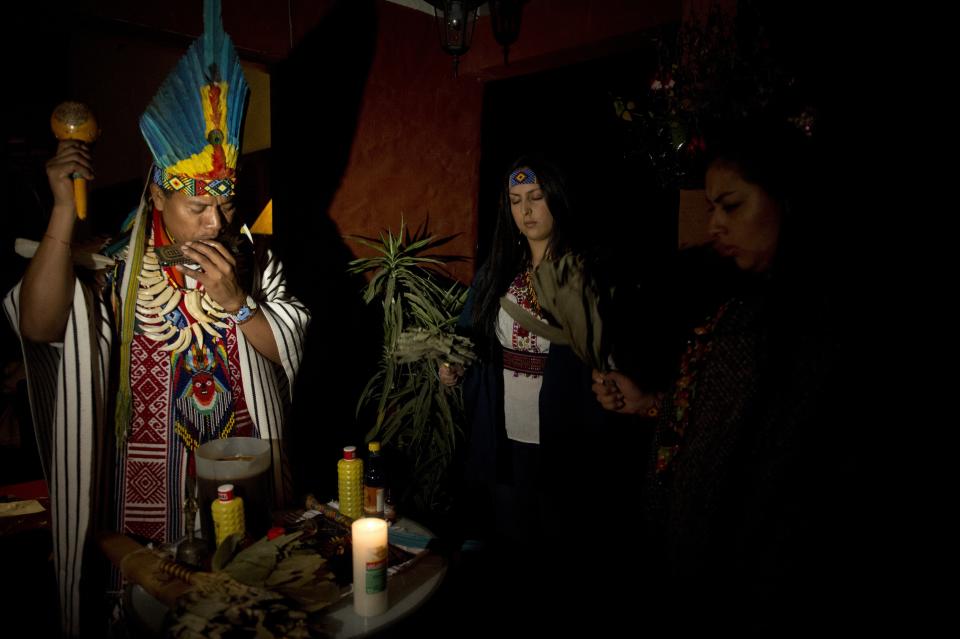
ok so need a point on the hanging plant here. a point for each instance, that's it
(718, 69)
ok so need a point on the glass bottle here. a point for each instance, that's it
(373, 483)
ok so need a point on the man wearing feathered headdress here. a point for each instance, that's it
(127, 379)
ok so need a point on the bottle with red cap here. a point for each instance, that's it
(227, 514)
(350, 483)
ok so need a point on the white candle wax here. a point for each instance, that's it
(369, 566)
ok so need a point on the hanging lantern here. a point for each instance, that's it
(505, 20)
(456, 20)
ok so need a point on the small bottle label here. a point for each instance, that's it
(375, 580)
(373, 501)
(228, 518)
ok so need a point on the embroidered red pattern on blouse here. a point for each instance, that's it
(521, 339)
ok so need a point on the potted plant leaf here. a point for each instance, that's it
(413, 413)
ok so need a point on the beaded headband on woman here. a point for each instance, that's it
(193, 124)
(523, 175)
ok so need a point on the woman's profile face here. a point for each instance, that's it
(530, 212)
(744, 220)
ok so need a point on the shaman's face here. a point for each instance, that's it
(189, 218)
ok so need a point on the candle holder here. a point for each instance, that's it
(192, 551)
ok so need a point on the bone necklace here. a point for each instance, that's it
(158, 298)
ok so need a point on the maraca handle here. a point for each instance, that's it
(80, 197)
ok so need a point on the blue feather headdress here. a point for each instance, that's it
(193, 124)
(192, 127)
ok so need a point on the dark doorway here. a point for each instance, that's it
(629, 220)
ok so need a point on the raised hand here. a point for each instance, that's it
(217, 272)
(73, 157)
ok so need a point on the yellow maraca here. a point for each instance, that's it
(75, 121)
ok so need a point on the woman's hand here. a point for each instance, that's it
(450, 374)
(218, 273)
(618, 393)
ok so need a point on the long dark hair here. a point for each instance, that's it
(780, 159)
(510, 252)
(805, 287)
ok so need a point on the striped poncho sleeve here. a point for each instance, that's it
(66, 384)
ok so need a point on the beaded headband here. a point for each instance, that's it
(523, 175)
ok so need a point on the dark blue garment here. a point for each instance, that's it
(513, 488)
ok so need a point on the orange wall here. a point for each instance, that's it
(416, 151)
(417, 146)
(558, 32)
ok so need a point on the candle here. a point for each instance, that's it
(369, 566)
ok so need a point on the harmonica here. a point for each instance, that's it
(171, 255)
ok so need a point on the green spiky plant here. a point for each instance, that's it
(415, 413)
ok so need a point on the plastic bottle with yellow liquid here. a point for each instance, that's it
(227, 514)
(350, 483)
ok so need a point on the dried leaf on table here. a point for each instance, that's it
(254, 564)
(253, 568)
(295, 570)
(208, 608)
(194, 622)
(220, 606)
(316, 596)
(225, 552)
